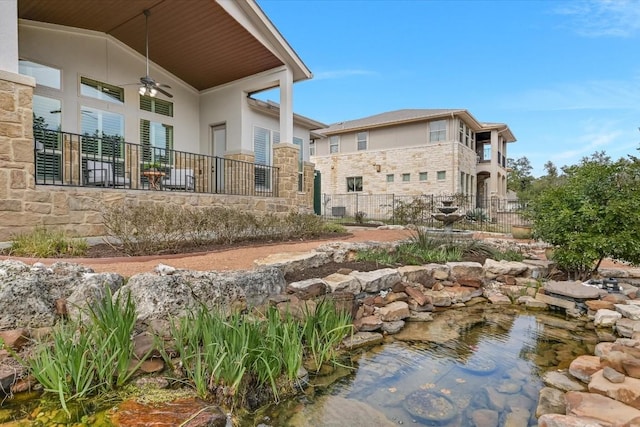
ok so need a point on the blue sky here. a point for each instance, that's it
(564, 75)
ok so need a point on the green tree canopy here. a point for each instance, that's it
(590, 214)
(519, 177)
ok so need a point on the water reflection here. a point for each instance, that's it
(470, 366)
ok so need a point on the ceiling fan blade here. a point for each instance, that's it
(163, 85)
(164, 92)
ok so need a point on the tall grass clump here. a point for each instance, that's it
(88, 356)
(227, 357)
(45, 243)
(323, 329)
(423, 248)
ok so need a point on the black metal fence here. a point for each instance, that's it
(68, 159)
(484, 214)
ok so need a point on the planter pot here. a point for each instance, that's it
(521, 231)
(548, 253)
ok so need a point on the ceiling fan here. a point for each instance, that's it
(148, 86)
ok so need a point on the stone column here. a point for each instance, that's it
(17, 166)
(285, 157)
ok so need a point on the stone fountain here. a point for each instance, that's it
(448, 216)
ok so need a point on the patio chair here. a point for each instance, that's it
(180, 179)
(102, 174)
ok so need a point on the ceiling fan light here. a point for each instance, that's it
(153, 91)
(142, 90)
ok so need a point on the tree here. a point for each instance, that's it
(591, 214)
(519, 178)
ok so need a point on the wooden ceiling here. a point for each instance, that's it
(196, 40)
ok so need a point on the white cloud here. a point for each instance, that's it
(589, 143)
(341, 74)
(603, 18)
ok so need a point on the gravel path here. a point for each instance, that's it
(230, 259)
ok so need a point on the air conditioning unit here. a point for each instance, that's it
(340, 211)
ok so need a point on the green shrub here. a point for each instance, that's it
(44, 243)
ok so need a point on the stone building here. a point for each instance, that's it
(414, 152)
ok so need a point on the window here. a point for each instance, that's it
(155, 105)
(103, 131)
(406, 177)
(102, 91)
(46, 124)
(45, 76)
(441, 175)
(438, 130)
(103, 137)
(354, 183)
(312, 148)
(462, 175)
(390, 177)
(423, 176)
(466, 136)
(262, 151)
(299, 143)
(486, 152)
(334, 144)
(157, 142)
(362, 137)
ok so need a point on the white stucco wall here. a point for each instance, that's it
(79, 53)
(9, 36)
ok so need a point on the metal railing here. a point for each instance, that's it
(483, 214)
(67, 159)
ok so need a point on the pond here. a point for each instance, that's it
(479, 365)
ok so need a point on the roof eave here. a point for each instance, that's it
(280, 44)
(477, 125)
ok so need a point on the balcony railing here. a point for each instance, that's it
(68, 159)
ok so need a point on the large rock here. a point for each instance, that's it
(395, 311)
(362, 339)
(191, 411)
(485, 418)
(293, 261)
(15, 338)
(627, 392)
(417, 274)
(626, 327)
(494, 268)
(583, 367)
(561, 381)
(174, 295)
(28, 295)
(630, 311)
(343, 283)
(92, 288)
(307, 289)
(558, 420)
(551, 401)
(606, 318)
(461, 271)
(375, 281)
(574, 290)
(600, 408)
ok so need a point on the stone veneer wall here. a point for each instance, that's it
(375, 165)
(77, 210)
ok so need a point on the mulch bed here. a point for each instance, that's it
(104, 250)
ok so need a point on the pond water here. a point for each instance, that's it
(478, 365)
